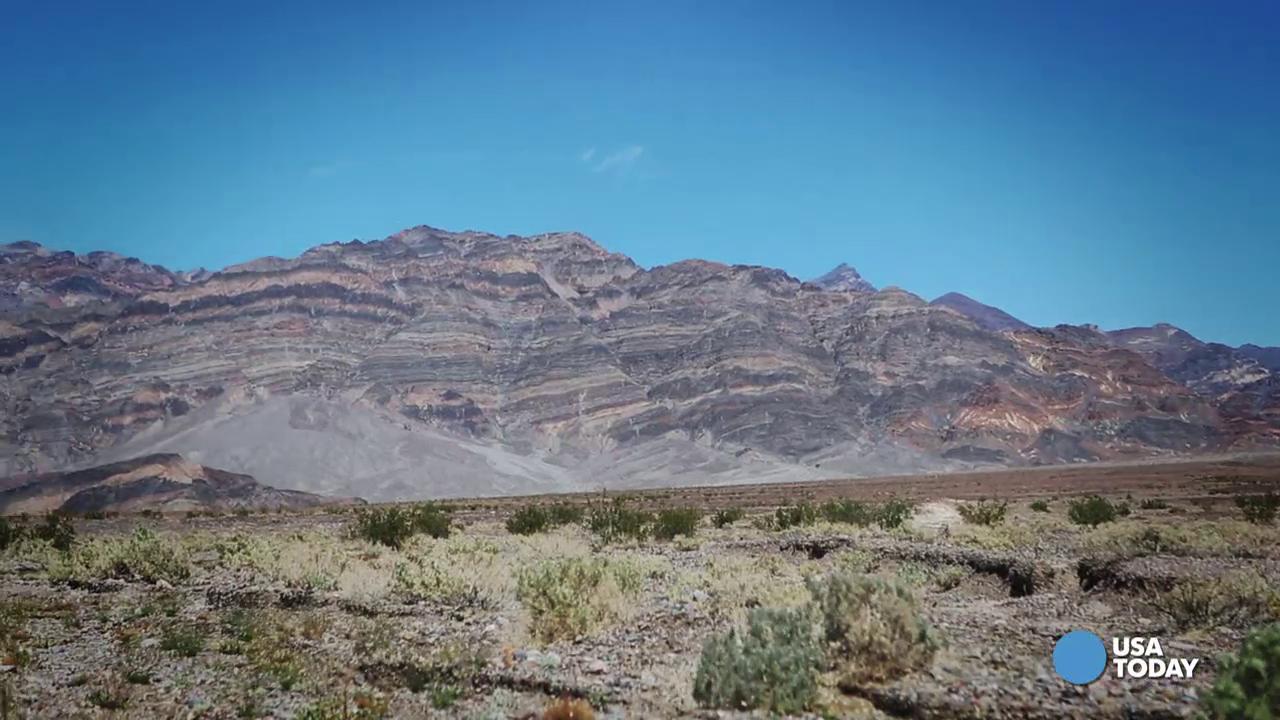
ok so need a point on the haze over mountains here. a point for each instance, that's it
(435, 364)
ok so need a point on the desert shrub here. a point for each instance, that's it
(142, 556)
(430, 519)
(893, 513)
(444, 697)
(615, 521)
(854, 561)
(359, 706)
(850, 512)
(444, 673)
(1259, 509)
(794, 516)
(872, 627)
(389, 526)
(999, 537)
(10, 533)
(440, 579)
(113, 695)
(1216, 538)
(270, 653)
(1040, 506)
(182, 640)
(528, 520)
(1153, 504)
(1092, 511)
(568, 708)
(772, 664)
(13, 635)
(1239, 599)
(984, 512)
(392, 526)
(532, 519)
(949, 577)
(309, 562)
(736, 583)
(1248, 683)
(726, 517)
(55, 529)
(570, 597)
(566, 514)
(676, 521)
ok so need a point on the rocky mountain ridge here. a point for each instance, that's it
(161, 482)
(435, 363)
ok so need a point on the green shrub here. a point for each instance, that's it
(443, 672)
(1231, 538)
(1092, 511)
(57, 530)
(850, 512)
(1248, 683)
(444, 697)
(1239, 599)
(392, 526)
(528, 520)
(360, 705)
(615, 521)
(389, 526)
(430, 519)
(10, 533)
(1153, 504)
(1040, 506)
(566, 514)
(570, 597)
(182, 640)
(726, 517)
(771, 665)
(1259, 509)
(114, 696)
(893, 513)
(794, 516)
(983, 512)
(142, 556)
(676, 521)
(532, 519)
(872, 627)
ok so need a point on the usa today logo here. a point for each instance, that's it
(1080, 657)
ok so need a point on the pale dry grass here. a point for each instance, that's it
(1221, 538)
(733, 583)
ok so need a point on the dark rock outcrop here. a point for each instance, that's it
(154, 482)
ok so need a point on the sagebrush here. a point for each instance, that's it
(1247, 686)
(873, 628)
(772, 664)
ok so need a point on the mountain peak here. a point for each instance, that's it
(986, 316)
(843, 277)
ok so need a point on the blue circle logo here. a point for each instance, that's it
(1080, 657)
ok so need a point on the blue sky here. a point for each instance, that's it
(1107, 162)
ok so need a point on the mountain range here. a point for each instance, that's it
(437, 364)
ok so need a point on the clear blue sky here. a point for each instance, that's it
(1112, 162)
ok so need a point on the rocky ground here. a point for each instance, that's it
(288, 615)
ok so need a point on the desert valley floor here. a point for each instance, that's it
(299, 615)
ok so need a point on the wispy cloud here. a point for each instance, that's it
(618, 162)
